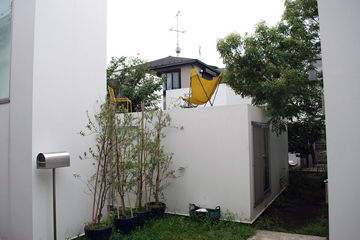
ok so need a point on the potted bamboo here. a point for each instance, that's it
(100, 183)
(140, 173)
(125, 142)
(160, 163)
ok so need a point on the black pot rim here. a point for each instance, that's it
(135, 216)
(98, 229)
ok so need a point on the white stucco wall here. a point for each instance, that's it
(4, 169)
(58, 67)
(341, 60)
(218, 159)
(18, 197)
(227, 96)
(278, 157)
(224, 96)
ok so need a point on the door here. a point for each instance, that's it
(261, 162)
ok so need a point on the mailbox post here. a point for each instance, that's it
(52, 161)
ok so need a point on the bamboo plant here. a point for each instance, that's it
(125, 142)
(100, 183)
(141, 173)
(160, 161)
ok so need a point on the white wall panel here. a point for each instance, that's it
(341, 60)
(58, 72)
(215, 148)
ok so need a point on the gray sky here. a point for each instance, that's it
(140, 26)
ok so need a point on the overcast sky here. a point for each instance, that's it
(142, 26)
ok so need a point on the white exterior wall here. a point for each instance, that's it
(225, 96)
(218, 160)
(54, 44)
(4, 170)
(185, 74)
(18, 193)
(278, 155)
(341, 60)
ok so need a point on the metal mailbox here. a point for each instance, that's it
(53, 160)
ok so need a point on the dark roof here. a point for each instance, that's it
(176, 61)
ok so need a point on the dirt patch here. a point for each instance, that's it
(301, 208)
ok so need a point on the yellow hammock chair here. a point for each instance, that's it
(201, 89)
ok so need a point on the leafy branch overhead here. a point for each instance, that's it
(271, 66)
(131, 78)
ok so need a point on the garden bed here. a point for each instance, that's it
(300, 209)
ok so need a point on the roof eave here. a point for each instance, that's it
(183, 63)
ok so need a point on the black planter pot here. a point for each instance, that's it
(126, 225)
(157, 212)
(143, 217)
(101, 234)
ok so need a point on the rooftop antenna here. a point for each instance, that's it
(200, 53)
(177, 49)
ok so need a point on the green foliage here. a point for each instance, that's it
(324, 174)
(316, 228)
(159, 161)
(299, 209)
(180, 228)
(102, 225)
(100, 183)
(270, 223)
(130, 78)
(284, 178)
(125, 159)
(303, 132)
(128, 153)
(301, 185)
(229, 216)
(271, 67)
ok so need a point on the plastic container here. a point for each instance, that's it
(213, 214)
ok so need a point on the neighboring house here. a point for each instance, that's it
(178, 71)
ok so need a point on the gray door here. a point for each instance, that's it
(261, 162)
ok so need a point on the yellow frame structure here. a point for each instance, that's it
(128, 101)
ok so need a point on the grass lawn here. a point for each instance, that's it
(179, 227)
(300, 209)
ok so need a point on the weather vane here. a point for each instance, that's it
(177, 49)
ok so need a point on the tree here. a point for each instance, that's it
(131, 78)
(271, 67)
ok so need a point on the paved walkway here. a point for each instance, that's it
(267, 235)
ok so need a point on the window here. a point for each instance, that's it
(261, 162)
(173, 79)
(5, 49)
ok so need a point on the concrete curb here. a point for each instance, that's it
(267, 235)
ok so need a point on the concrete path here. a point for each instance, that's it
(267, 235)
